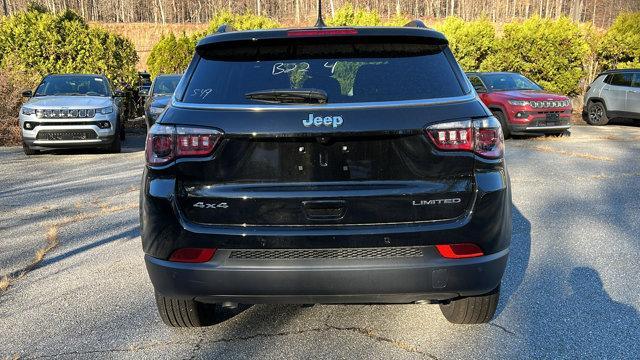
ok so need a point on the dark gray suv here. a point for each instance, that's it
(613, 94)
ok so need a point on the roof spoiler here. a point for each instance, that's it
(416, 24)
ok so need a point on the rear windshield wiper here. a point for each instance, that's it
(289, 96)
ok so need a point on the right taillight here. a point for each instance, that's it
(166, 143)
(482, 136)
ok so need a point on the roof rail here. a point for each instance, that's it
(225, 28)
(620, 70)
(416, 23)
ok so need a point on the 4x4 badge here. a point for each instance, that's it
(203, 205)
(331, 121)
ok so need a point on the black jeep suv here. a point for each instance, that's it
(325, 165)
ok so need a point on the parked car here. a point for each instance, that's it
(142, 91)
(613, 94)
(72, 111)
(521, 105)
(159, 96)
(325, 165)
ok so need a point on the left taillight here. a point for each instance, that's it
(482, 136)
(166, 143)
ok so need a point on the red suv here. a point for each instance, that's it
(521, 105)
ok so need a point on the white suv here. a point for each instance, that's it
(613, 94)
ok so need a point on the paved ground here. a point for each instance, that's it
(571, 287)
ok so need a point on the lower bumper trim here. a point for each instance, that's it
(400, 280)
(542, 128)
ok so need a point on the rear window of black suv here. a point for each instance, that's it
(348, 72)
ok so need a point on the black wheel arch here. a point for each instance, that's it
(599, 100)
(497, 107)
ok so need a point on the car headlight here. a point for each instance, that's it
(28, 111)
(518, 102)
(156, 110)
(105, 110)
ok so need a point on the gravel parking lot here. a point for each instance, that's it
(571, 288)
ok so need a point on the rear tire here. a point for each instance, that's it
(29, 151)
(473, 309)
(503, 122)
(185, 313)
(596, 114)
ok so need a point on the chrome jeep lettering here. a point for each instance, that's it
(436, 202)
(329, 121)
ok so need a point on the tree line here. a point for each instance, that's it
(599, 12)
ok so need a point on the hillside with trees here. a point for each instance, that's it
(561, 53)
(599, 12)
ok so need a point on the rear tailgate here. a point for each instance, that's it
(380, 167)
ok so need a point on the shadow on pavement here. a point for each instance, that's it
(131, 233)
(581, 319)
(624, 122)
(519, 253)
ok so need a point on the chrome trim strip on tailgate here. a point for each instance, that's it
(330, 106)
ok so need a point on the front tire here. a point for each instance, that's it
(185, 313)
(597, 114)
(506, 132)
(116, 145)
(121, 131)
(473, 309)
(29, 151)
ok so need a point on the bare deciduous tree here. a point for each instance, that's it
(599, 12)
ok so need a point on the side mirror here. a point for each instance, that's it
(143, 92)
(27, 93)
(118, 93)
(480, 89)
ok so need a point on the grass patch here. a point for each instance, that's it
(52, 242)
(5, 282)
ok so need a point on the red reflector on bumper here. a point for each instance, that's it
(192, 255)
(459, 251)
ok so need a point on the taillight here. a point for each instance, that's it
(166, 143)
(456, 135)
(482, 136)
(192, 255)
(459, 251)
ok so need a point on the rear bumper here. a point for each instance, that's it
(327, 280)
(382, 280)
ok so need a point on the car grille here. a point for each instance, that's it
(56, 135)
(347, 253)
(65, 113)
(550, 104)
